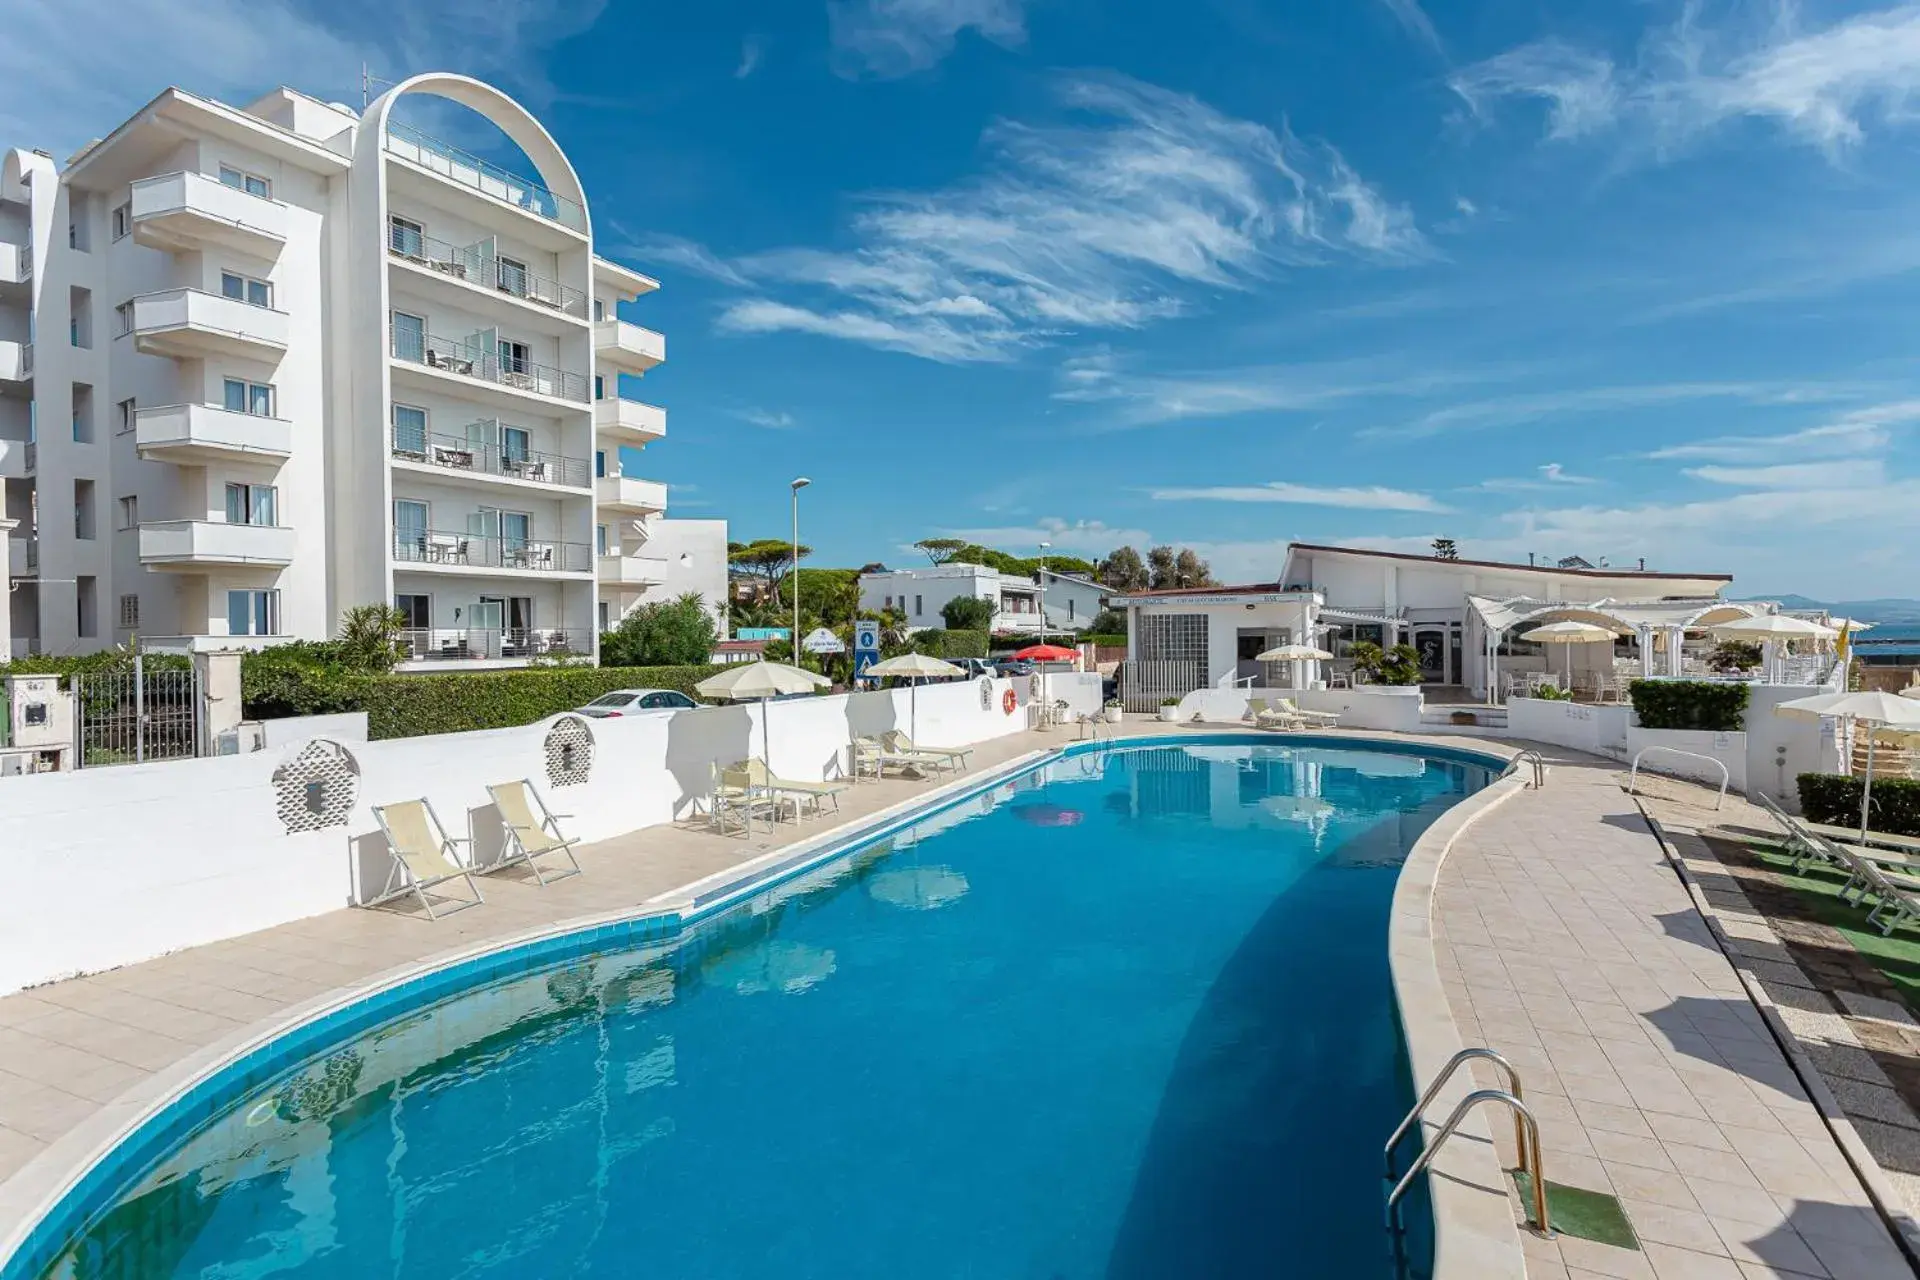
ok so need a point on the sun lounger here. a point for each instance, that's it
(423, 856)
(1269, 717)
(532, 831)
(814, 794)
(1327, 719)
(1891, 880)
(900, 744)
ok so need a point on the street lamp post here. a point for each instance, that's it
(1045, 684)
(799, 483)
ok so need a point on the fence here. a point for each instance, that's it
(128, 717)
(1145, 684)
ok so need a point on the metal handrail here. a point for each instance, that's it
(1538, 762)
(462, 166)
(484, 551)
(1534, 1167)
(471, 361)
(1477, 1054)
(468, 263)
(458, 644)
(1633, 774)
(459, 453)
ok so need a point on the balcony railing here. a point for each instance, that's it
(470, 360)
(463, 453)
(484, 176)
(470, 264)
(482, 551)
(466, 644)
(33, 456)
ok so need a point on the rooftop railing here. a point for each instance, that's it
(474, 360)
(484, 176)
(482, 452)
(471, 264)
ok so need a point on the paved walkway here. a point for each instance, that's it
(1568, 943)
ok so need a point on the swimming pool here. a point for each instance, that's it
(1128, 1014)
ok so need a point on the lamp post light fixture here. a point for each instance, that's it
(799, 483)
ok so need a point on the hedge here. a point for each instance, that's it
(1834, 798)
(1718, 706)
(938, 643)
(1117, 641)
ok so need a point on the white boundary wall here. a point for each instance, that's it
(107, 867)
(1368, 707)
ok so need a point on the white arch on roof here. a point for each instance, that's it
(542, 152)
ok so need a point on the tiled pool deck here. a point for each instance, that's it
(1563, 938)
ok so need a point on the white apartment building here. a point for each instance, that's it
(259, 365)
(921, 594)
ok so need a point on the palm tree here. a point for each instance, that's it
(370, 636)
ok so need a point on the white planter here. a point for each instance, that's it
(1115, 715)
(1169, 714)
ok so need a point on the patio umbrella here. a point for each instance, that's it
(760, 681)
(914, 666)
(1568, 633)
(1773, 629)
(1875, 709)
(1294, 653)
(1045, 653)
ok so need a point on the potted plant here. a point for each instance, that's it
(1169, 709)
(1114, 711)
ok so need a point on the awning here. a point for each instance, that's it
(1632, 615)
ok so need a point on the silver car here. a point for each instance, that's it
(633, 702)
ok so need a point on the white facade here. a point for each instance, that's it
(922, 593)
(260, 365)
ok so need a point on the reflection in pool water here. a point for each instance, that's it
(1156, 1042)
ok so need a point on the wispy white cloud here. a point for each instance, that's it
(1511, 410)
(1085, 538)
(752, 50)
(1862, 431)
(1110, 220)
(771, 419)
(1411, 16)
(1548, 475)
(653, 250)
(1822, 85)
(893, 38)
(1796, 475)
(1354, 497)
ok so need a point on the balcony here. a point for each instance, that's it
(14, 459)
(23, 556)
(190, 212)
(16, 362)
(193, 435)
(186, 645)
(629, 422)
(629, 496)
(441, 549)
(637, 572)
(627, 347)
(465, 169)
(189, 324)
(16, 264)
(464, 361)
(193, 545)
(428, 645)
(470, 268)
(476, 454)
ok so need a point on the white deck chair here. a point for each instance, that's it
(900, 744)
(814, 794)
(423, 856)
(1271, 717)
(531, 830)
(1325, 719)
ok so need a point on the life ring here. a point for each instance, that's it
(1008, 702)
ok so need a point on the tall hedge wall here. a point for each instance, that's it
(1835, 799)
(1719, 706)
(948, 643)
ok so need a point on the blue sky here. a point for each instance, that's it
(1582, 278)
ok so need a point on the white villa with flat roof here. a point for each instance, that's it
(1071, 603)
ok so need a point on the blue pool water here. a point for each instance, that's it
(1128, 1016)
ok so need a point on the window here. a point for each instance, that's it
(599, 309)
(123, 320)
(86, 619)
(887, 603)
(251, 183)
(417, 610)
(242, 396)
(252, 504)
(409, 530)
(255, 293)
(1179, 637)
(409, 430)
(1069, 608)
(122, 220)
(916, 606)
(130, 513)
(83, 509)
(515, 357)
(129, 612)
(599, 463)
(406, 237)
(409, 337)
(253, 613)
(600, 540)
(606, 617)
(515, 444)
(599, 387)
(512, 276)
(127, 409)
(82, 400)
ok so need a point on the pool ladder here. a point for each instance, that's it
(1526, 1134)
(1534, 759)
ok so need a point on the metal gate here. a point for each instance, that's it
(1143, 684)
(130, 716)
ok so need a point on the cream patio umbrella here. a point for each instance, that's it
(1295, 653)
(1874, 709)
(1774, 630)
(916, 667)
(1568, 633)
(762, 682)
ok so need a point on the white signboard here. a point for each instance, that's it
(822, 640)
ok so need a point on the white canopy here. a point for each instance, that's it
(915, 666)
(1568, 633)
(761, 681)
(1293, 653)
(1774, 626)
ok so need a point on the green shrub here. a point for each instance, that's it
(1550, 693)
(1835, 799)
(1718, 706)
(407, 706)
(936, 643)
(673, 632)
(66, 666)
(967, 613)
(1104, 639)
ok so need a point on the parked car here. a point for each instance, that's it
(632, 702)
(1008, 667)
(974, 667)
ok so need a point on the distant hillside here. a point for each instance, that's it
(1897, 611)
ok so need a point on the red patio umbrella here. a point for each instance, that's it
(1045, 653)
